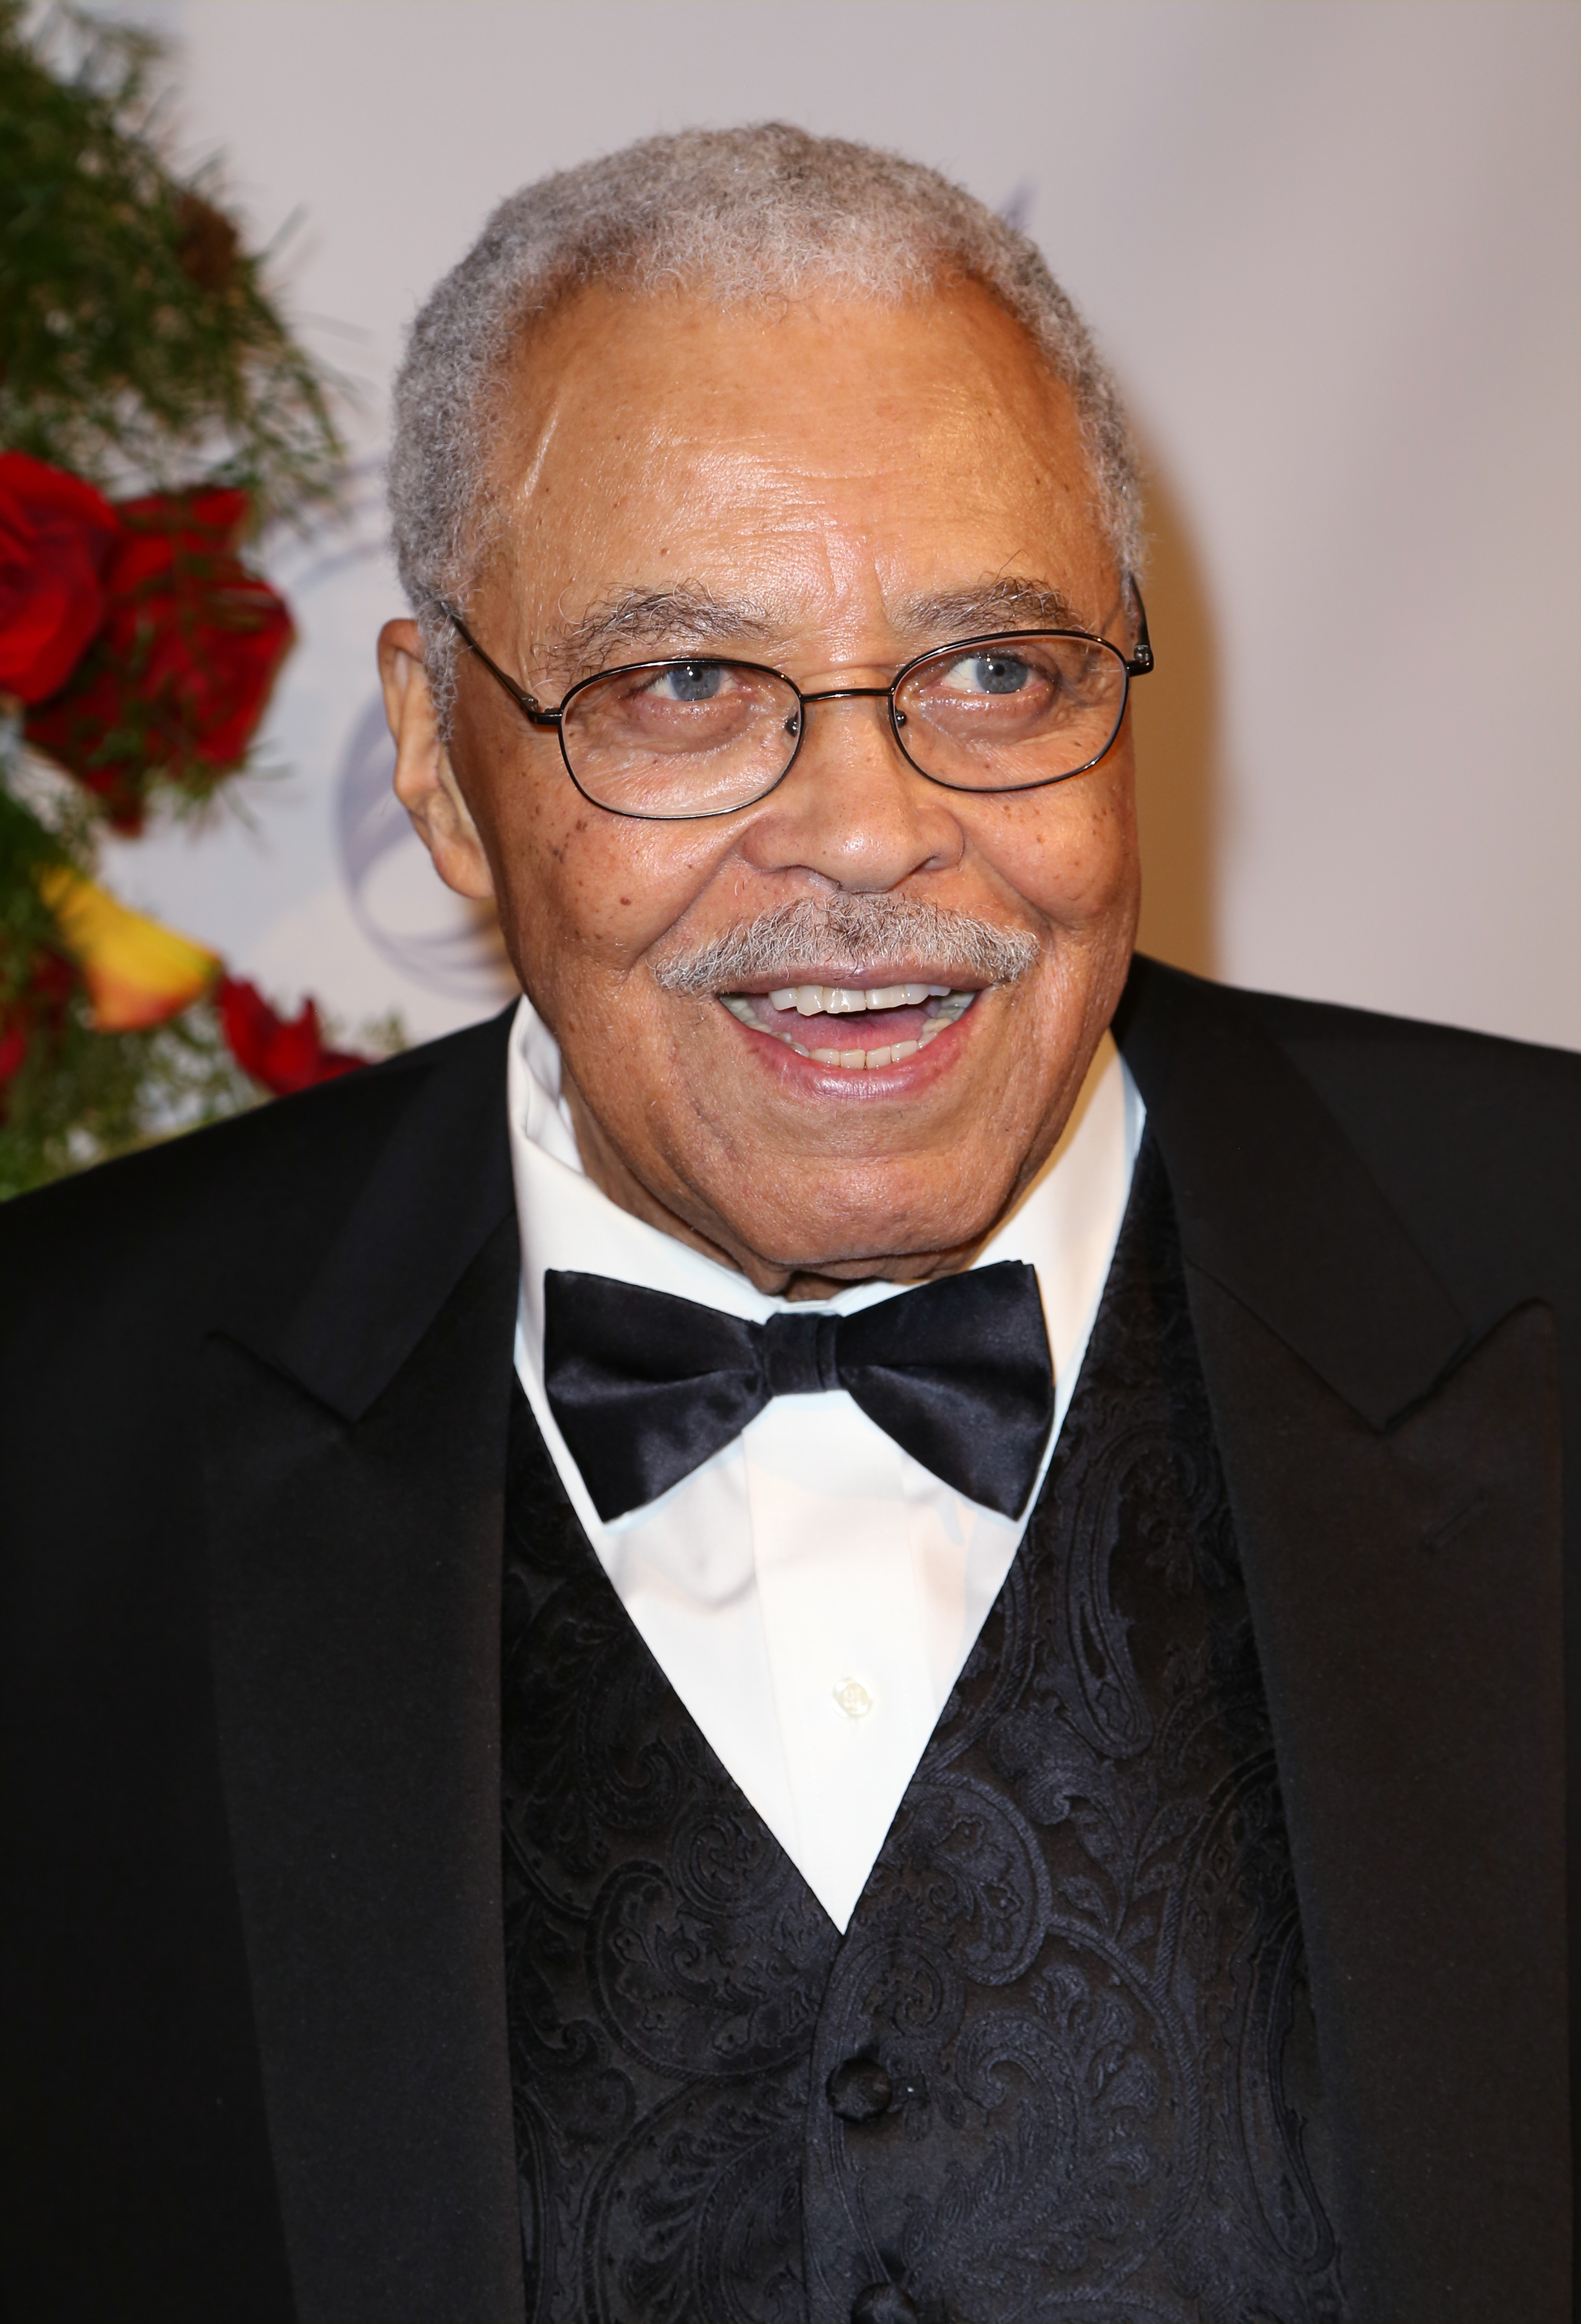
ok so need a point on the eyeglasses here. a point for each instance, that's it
(693, 735)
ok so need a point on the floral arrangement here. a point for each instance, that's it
(155, 414)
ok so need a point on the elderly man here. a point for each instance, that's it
(861, 1617)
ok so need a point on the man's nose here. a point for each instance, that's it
(852, 808)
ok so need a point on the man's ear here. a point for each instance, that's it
(425, 781)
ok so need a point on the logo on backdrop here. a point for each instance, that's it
(438, 941)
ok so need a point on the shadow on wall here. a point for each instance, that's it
(1175, 722)
(439, 940)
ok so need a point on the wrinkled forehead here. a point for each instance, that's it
(636, 437)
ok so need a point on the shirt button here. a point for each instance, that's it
(860, 2091)
(882, 2303)
(853, 1698)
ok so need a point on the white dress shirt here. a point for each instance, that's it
(811, 1592)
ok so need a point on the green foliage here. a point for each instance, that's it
(94, 1096)
(26, 848)
(139, 346)
(80, 1096)
(28, 935)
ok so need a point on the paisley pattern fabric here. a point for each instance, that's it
(1070, 2000)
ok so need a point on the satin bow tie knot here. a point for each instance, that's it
(645, 1386)
(799, 1354)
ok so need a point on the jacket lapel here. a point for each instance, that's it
(1397, 1499)
(356, 1473)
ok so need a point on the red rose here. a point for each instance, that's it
(285, 1053)
(176, 681)
(56, 537)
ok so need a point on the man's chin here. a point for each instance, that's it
(837, 1240)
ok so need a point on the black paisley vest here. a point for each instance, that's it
(1060, 2065)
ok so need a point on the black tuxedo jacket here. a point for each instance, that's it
(253, 1390)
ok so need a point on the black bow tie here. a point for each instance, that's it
(647, 1387)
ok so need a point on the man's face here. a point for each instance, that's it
(829, 489)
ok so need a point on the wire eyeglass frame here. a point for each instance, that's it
(1139, 663)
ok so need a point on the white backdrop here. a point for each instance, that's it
(1332, 250)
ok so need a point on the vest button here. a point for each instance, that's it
(884, 2303)
(860, 2091)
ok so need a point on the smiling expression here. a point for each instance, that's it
(833, 1033)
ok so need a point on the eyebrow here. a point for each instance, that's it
(1009, 600)
(689, 614)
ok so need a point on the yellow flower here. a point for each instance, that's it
(137, 971)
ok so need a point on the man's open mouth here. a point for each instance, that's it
(815, 1020)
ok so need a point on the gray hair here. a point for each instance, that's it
(744, 214)
(816, 932)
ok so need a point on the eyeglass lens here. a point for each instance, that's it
(702, 737)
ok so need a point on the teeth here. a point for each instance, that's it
(833, 1000)
(955, 1008)
(899, 996)
(956, 1005)
(850, 1000)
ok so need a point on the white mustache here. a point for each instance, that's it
(895, 931)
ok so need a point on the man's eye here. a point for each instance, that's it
(689, 681)
(988, 673)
